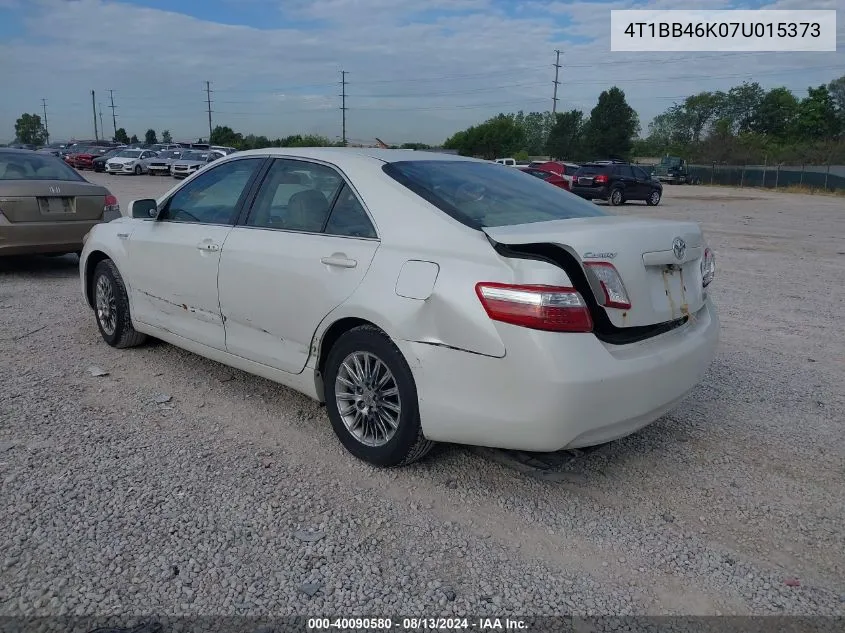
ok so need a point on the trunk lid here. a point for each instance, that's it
(661, 286)
(51, 200)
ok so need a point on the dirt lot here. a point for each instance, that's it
(234, 496)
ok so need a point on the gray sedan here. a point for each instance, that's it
(191, 161)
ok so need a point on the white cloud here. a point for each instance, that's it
(408, 80)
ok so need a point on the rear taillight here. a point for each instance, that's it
(615, 295)
(601, 179)
(112, 205)
(708, 267)
(551, 308)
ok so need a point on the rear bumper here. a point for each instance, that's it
(591, 193)
(31, 238)
(553, 391)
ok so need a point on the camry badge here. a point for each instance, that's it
(592, 255)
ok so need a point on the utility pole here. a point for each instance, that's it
(102, 127)
(113, 116)
(46, 130)
(94, 106)
(557, 69)
(208, 101)
(343, 74)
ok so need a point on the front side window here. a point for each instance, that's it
(212, 197)
(480, 194)
(295, 196)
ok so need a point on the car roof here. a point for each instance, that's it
(332, 154)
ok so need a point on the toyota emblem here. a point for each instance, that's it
(679, 247)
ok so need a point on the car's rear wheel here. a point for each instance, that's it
(616, 197)
(653, 199)
(371, 399)
(111, 307)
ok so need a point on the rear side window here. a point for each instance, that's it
(480, 194)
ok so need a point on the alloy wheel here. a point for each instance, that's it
(367, 397)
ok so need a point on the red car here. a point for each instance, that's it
(84, 159)
(553, 172)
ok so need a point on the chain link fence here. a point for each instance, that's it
(818, 177)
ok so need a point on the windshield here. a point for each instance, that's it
(591, 170)
(481, 194)
(197, 156)
(32, 166)
(169, 153)
(129, 153)
(672, 161)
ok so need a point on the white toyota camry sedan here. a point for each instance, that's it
(422, 297)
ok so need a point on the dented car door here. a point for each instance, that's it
(175, 257)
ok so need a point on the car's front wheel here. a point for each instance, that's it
(111, 307)
(371, 399)
(138, 170)
(653, 199)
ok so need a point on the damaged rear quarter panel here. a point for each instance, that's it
(453, 315)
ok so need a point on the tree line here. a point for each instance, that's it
(749, 124)
(746, 124)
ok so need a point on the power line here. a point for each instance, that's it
(46, 129)
(113, 115)
(557, 68)
(208, 101)
(343, 108)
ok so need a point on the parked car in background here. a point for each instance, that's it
(159, 165)
(617, 183)
(508, 162)
(46, 206)
(85, 159)
(549, 176)
(553, 172)
(224, 149)
(130, 161)
(160, 147)
(193, 160)
(422, 297)
(99, 163)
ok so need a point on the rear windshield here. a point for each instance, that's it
(481, 194)
(34, 166)
(542, 175)
(590, 170)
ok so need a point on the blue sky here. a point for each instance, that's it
(418, 69)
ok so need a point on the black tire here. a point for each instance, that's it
(616, 197)
(653, 198)
(407, 444)
(138, 170)
(124, 335)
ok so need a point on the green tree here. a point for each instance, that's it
(497, 137)
(837, 92)
(165, 137)
(120, 136)
(535, 128)
(700, 110)
(226, 136)
(817, 117)
(740, 106)
(150, 137)
(613, 125)
(29, 129)
(776, 114)
(414, 146)
(564, 140)
(134, 139)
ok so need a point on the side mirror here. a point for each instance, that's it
(143, 209)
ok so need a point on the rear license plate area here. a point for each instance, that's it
(57, 206)
(585, 181)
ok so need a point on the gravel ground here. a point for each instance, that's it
(174, 485)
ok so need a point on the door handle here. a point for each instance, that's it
(208, 246)
(341, 261)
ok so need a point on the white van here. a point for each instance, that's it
(508, 162)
